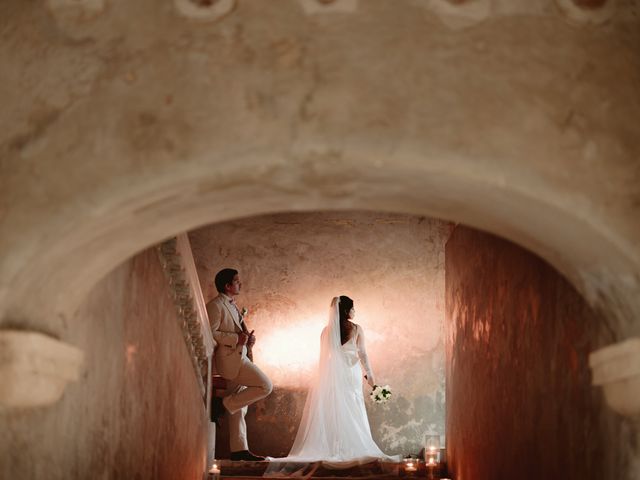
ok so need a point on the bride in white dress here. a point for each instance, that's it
(334, 426)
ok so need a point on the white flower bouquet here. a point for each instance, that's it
(380, 394)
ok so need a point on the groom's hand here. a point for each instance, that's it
(252, 339)
(242, 338)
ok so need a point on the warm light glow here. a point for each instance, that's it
(290, 355)
(287, 345)
(131, 352)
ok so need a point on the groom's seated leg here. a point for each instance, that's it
(251, 385)
(257, 386)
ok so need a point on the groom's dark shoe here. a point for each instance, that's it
(217, 411)
(247, 456)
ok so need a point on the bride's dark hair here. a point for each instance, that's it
(346, 304)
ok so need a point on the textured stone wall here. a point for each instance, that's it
(292, 265)
(519, 400)
(136, 412)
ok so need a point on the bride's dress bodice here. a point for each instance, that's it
(350, 350)
(355, 351)
(352, 356)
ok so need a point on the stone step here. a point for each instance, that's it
(254, 470)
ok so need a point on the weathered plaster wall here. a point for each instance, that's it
(292, 265)
(520, 404)
(136, 412)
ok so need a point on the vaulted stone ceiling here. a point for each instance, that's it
(126, 122)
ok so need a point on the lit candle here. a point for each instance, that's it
(214, 472)
(432, 455)
(410, 465)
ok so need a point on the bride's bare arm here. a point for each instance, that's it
(362, 354)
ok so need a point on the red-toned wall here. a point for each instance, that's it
(136, 413)
(519, 400)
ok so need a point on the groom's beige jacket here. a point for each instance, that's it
(224, 320)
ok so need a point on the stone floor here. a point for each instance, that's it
(254, 470)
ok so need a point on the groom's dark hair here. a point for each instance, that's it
(224, 277)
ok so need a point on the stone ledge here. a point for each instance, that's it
(35, 368)
(617, 369)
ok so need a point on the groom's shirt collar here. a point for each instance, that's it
(230, 300)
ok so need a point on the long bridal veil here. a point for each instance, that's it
(326, 413)
(334, 428)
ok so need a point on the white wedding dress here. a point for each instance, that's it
(335, 428)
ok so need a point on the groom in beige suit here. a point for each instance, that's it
(246, 381)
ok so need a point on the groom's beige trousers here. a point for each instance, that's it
(249, 386)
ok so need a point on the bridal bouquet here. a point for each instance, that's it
(380, 394)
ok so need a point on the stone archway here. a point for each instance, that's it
(507, 119)
(597, 261)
